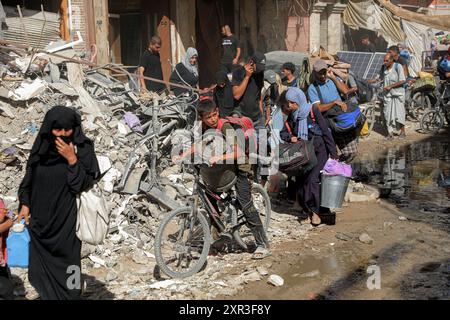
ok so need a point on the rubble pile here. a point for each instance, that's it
(124, 266)
(30, 85)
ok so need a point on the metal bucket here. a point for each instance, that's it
(333, 191)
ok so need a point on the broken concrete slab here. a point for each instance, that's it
(64, 88)
(28, 89)
(276, 280)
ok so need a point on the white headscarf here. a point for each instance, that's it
(189, 54)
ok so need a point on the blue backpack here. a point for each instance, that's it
(345, 122)
(406, 55)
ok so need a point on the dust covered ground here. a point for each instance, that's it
(405, 236)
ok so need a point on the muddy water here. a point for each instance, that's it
(413, 256)
(416, 176)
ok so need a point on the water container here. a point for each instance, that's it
(333, 190)
(18, 244)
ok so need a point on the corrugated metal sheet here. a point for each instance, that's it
(34, 22)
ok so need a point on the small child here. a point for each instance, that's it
(6, 222)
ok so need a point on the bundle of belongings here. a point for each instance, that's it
(341, 69)
(425, 82)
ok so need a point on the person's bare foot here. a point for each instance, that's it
(315, 219)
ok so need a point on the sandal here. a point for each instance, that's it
(261, 253)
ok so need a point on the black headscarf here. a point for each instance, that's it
(221, 77)
(44, 148)
(224, 95)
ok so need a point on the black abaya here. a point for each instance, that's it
(49, 189)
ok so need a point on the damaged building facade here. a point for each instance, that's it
(121, 29)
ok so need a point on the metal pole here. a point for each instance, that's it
(155, 139)
(23, 26)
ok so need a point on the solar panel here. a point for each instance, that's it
(375, 66)
(359, 61)
(365, 65)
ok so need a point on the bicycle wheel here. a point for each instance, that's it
(432, 121)
(262, 204)
(420, 103)
(182, 243)
(369, 112)
(447, 115)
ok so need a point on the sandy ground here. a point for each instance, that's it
(409, 253)
(413, 258)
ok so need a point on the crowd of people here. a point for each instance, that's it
(62, 162)
(300, 115)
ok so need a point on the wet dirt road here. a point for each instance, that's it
(409, 251)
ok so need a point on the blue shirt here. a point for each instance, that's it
(328, 90)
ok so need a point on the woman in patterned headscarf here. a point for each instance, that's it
(305, 122)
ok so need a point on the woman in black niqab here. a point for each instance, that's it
(57, 170)
(224, 94)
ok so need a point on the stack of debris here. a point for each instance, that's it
(341, 69)
(32, 82)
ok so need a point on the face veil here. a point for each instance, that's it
(44, 149)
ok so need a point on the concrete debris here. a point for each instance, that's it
(64, 88)
(28, 90)
(111, 276)
(165, 284)
(365, 238)
(262, 271)
(97, 260)
(342, 236)
(276, 280)
(140, 257)
(250, 276)
(7, 110)
(358, 192)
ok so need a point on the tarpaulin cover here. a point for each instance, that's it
(369, 15)
(418, 39)
(415, 29)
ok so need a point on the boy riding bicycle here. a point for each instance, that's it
(209, 115)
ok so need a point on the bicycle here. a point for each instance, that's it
(420, 101)
(152, 151)
(370, 109)
(184, 237)
(433, 120)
